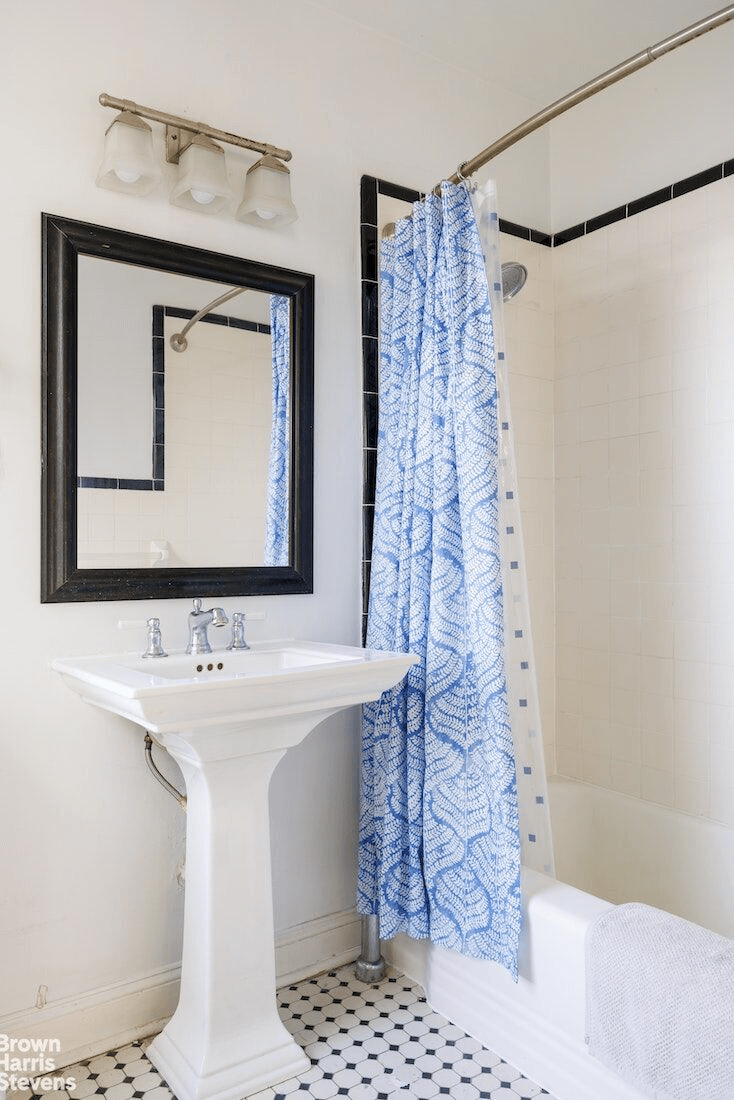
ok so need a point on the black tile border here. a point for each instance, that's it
(645, 202)
(156, 483)
(370, 189)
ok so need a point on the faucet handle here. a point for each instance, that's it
(238, 631)
(155, 642)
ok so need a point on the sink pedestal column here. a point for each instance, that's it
(226, 1040)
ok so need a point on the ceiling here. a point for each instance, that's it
(540, 49)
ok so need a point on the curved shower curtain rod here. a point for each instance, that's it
(585, 91)
(178, 340)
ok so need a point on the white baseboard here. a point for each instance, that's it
(318, 945)
(101, 1020)
(109, 1018)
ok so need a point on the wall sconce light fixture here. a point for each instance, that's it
(267, 198)
(129, 165)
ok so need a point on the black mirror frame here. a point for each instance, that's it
(63, 240)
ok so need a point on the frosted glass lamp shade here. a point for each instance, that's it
(128, 163)
(202, 178)
(267, 199)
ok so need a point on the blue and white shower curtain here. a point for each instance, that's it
(277, 518)
(439, 833)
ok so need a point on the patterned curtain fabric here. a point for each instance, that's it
(439, 835)
(276, 529)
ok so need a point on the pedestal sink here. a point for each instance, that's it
(228, 718)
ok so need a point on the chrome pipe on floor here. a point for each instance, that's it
(370, 965)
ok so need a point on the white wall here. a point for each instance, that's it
(662, 124)
(90, 844)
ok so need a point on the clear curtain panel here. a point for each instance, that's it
(520, 668)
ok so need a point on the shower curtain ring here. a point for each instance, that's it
(469, 183)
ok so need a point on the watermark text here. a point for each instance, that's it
(28, 1064)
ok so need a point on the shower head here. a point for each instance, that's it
(513, 279)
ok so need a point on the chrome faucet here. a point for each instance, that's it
(198, 622)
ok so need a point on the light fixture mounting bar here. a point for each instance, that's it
(185, 124)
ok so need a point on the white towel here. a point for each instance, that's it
(660, 1002)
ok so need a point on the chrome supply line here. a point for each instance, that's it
(179, 131)
(149, 742)
(178, 340)
(585, 91)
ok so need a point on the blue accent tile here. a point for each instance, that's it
(524, 664)
(510, 530)
(523, 702)
(527, 770)
(518, 633)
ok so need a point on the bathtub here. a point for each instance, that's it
(538, 1024)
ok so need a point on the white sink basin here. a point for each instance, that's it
(278, 677)
(228, 718)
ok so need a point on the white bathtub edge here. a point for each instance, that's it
(538, 1023)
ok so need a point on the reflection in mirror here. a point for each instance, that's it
(172, 431)
(189, 377)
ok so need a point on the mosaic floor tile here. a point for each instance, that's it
(365, 1042)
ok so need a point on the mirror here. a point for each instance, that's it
(173, 465)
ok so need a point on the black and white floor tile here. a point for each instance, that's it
(365, 1042)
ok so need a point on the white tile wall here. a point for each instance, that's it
(644, 504)
(216, 470)
(529, 340)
